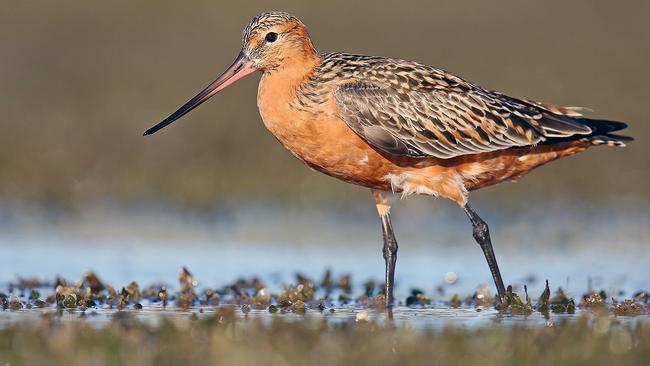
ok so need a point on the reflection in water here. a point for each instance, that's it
(429, 317)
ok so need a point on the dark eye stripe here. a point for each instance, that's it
(271, 37)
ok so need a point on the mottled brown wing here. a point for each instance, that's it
(447, 122)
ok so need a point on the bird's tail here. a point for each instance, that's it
(610, 140)
(601, 132)
(601, 126)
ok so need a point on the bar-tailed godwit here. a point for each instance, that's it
(398, 126)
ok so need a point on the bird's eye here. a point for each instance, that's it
(271, 37)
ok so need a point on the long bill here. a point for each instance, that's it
(240, 68)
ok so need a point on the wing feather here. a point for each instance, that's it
(446, 122)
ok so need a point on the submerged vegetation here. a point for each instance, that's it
(71, 321)
(309, 322)
(330, 292)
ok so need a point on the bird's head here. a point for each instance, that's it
(274, 38)
(270, 41)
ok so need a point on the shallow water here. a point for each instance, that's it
(432, 317)
(601, 250)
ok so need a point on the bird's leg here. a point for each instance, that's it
(482, 236)
(390, 244)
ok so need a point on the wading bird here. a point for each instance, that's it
(398, 126)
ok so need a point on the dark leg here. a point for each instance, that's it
(390, 256)
(482, 236)
(390, 244)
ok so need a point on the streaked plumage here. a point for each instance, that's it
(406, 108)
(400, 126)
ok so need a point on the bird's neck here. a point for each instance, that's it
(277, 93)
(294, 69)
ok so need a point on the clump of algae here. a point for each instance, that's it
(128, 294)
(482, 297)
(417, 297)
(594, 302)
(93, 283)
(561, 303)
(627, 307)
(252, 294)
(544, 298)
(513, 304)
(455, 301)
(187, 285)
(262, 298)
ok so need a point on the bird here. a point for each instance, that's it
(398, 127)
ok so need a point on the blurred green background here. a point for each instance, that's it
(81, 80)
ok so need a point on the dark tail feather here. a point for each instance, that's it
(601, 126)
(600, 133)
